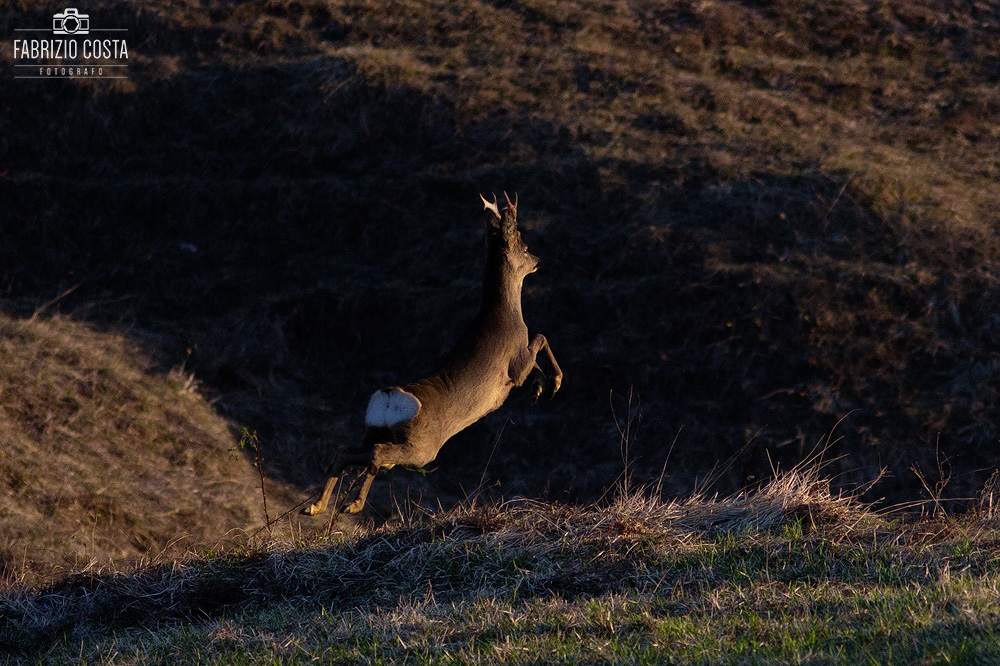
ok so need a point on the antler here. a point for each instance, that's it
(492, 206)
(509, 204)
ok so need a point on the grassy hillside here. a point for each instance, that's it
(761, 224)
(787, 574)
(760, 217)
(104, 458)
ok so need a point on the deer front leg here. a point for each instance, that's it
(526, 362)
(557, 373)
(538, 383)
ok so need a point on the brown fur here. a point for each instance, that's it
(494, 355)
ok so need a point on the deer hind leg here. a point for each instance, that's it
(359, 501)
(343, 459)
(320, 506)
(384, 455)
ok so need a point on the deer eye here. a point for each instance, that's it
(524, 248)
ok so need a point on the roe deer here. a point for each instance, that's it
(407, 425)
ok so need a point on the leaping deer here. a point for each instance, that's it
(408, 425)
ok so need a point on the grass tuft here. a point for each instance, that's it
(703, 576)
(637, 551)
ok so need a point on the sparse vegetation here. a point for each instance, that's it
(787, 574)
(102, 457)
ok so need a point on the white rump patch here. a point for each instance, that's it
(391, 406)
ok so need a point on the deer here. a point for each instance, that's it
(408, 425)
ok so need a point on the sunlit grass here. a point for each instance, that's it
(787, 574)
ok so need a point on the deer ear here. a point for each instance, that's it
(494, 212)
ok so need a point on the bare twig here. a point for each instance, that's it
(249, 439)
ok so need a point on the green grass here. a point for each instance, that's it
(785, 575)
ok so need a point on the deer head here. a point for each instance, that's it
(504, 238)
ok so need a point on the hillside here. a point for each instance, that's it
(757, 218)
(103, 458)
(787, 574)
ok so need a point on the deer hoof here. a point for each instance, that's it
(537, 388)
(556, 384)
(353, 507)
(311, 511)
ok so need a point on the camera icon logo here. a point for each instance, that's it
(70, 22)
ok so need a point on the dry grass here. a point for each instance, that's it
(103, 457)
(761, 573)
(478, 544)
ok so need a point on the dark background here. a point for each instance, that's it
(762, 225)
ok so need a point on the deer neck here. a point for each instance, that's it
(501, 286)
